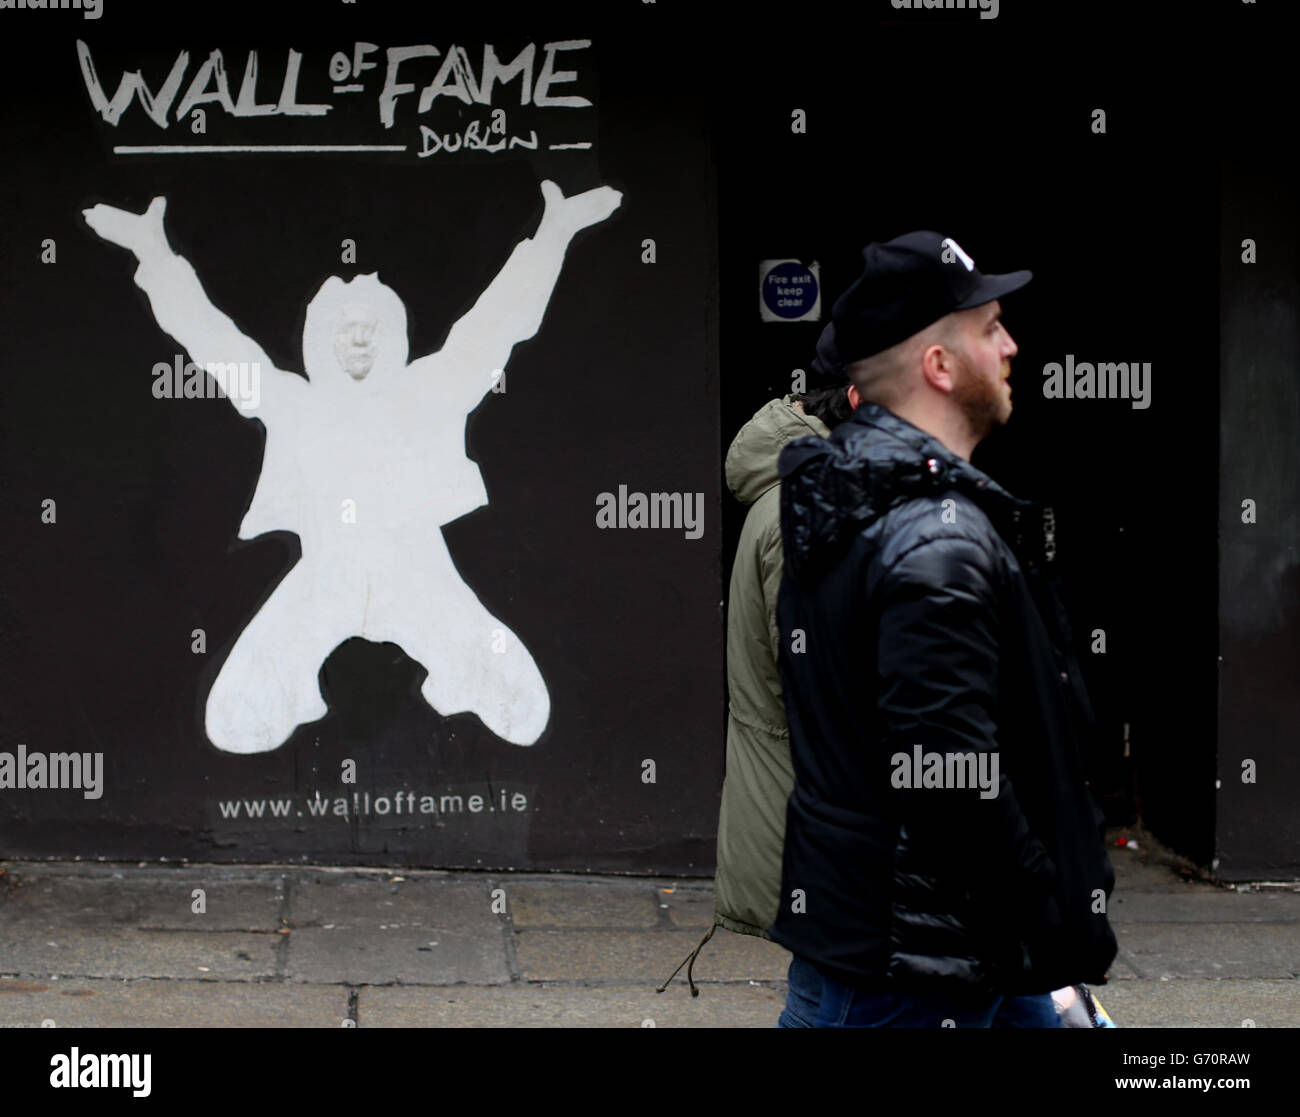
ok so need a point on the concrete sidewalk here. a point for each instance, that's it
(96, 944)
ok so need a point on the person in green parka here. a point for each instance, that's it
(759, 775)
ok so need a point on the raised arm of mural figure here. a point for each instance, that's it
(511, 308)
(182, 309)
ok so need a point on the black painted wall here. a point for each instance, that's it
(936, 121)
(642, 374)
(1258, 832)
(617, 387)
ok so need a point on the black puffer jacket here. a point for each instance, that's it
(918, 607)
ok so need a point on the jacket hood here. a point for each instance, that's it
(834, 487)
(751, 465)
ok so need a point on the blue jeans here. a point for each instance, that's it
(842, 1006)
(845, 1007)
(804, 996)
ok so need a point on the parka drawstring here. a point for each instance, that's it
(689, 963)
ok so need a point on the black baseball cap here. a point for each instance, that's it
(906, 284)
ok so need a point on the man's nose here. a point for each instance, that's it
(1012, 348)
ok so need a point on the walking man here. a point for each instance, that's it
(943, 860)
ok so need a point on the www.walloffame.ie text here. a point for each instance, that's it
(363, 804)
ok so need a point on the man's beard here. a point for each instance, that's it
(981, 403)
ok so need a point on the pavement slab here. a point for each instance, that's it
(149, 903)
(1202, 1004)
(572, 1006)
(646, 957)
(425, 956)
(96, 1003)
(420, 930)
(1161, 951)
(129, 952)
(1205, 905)
(689, 907)
(590, 905)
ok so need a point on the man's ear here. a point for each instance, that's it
(855, 397)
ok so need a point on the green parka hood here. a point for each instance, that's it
(751, 464)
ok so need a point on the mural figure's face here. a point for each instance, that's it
(354, 340)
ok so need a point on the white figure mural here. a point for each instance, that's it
(365, 460)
